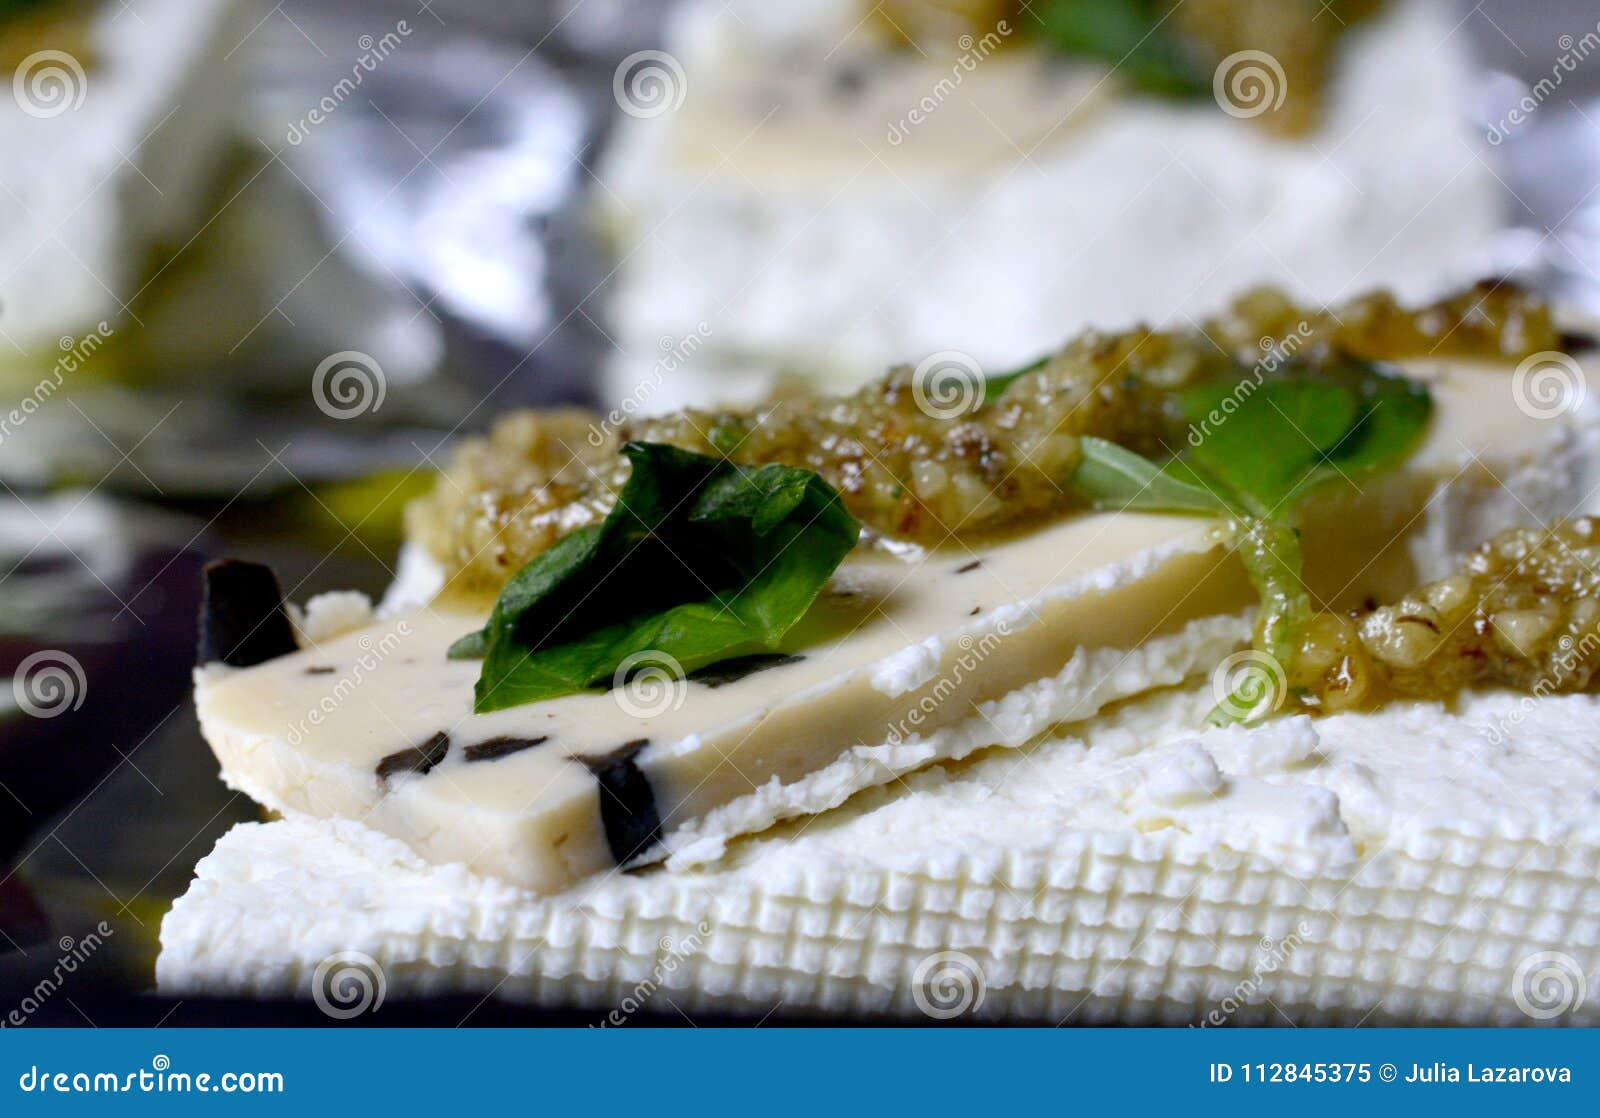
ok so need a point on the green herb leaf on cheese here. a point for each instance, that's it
(1114, 477)
(1273, 439)
(1258, 449)
(702, 560)
(1129, 35)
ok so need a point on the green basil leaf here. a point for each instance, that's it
(1130, 35)
(1113, 477)
(1264, 441)
(1393, 416)
(702, 560)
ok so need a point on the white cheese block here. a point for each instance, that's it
(906, 661)
(1421, 864)
(769, 222)
(108, 158)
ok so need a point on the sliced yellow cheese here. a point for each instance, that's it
(906, 660)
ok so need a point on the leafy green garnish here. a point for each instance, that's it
(1130, 35)
(1266, 447)
(701, 560)
(1257, 449)
(1118, 478)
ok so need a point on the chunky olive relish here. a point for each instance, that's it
(916, 472)
(1523, 611)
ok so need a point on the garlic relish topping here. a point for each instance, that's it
(1523, 611)
(924, 473)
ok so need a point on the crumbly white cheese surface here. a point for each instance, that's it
(1403, 866)
(1033, 200)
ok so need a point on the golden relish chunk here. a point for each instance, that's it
(1523, 611)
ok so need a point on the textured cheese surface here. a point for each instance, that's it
(1025, 205)
(1419, 864)
(87, 192)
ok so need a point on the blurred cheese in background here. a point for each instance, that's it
(114, 126)
(802, 196)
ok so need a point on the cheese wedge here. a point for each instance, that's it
(908, 660)
(1422, 864)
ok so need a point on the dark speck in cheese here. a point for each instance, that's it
(495, 748)
(418, 759)
(627, 802)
